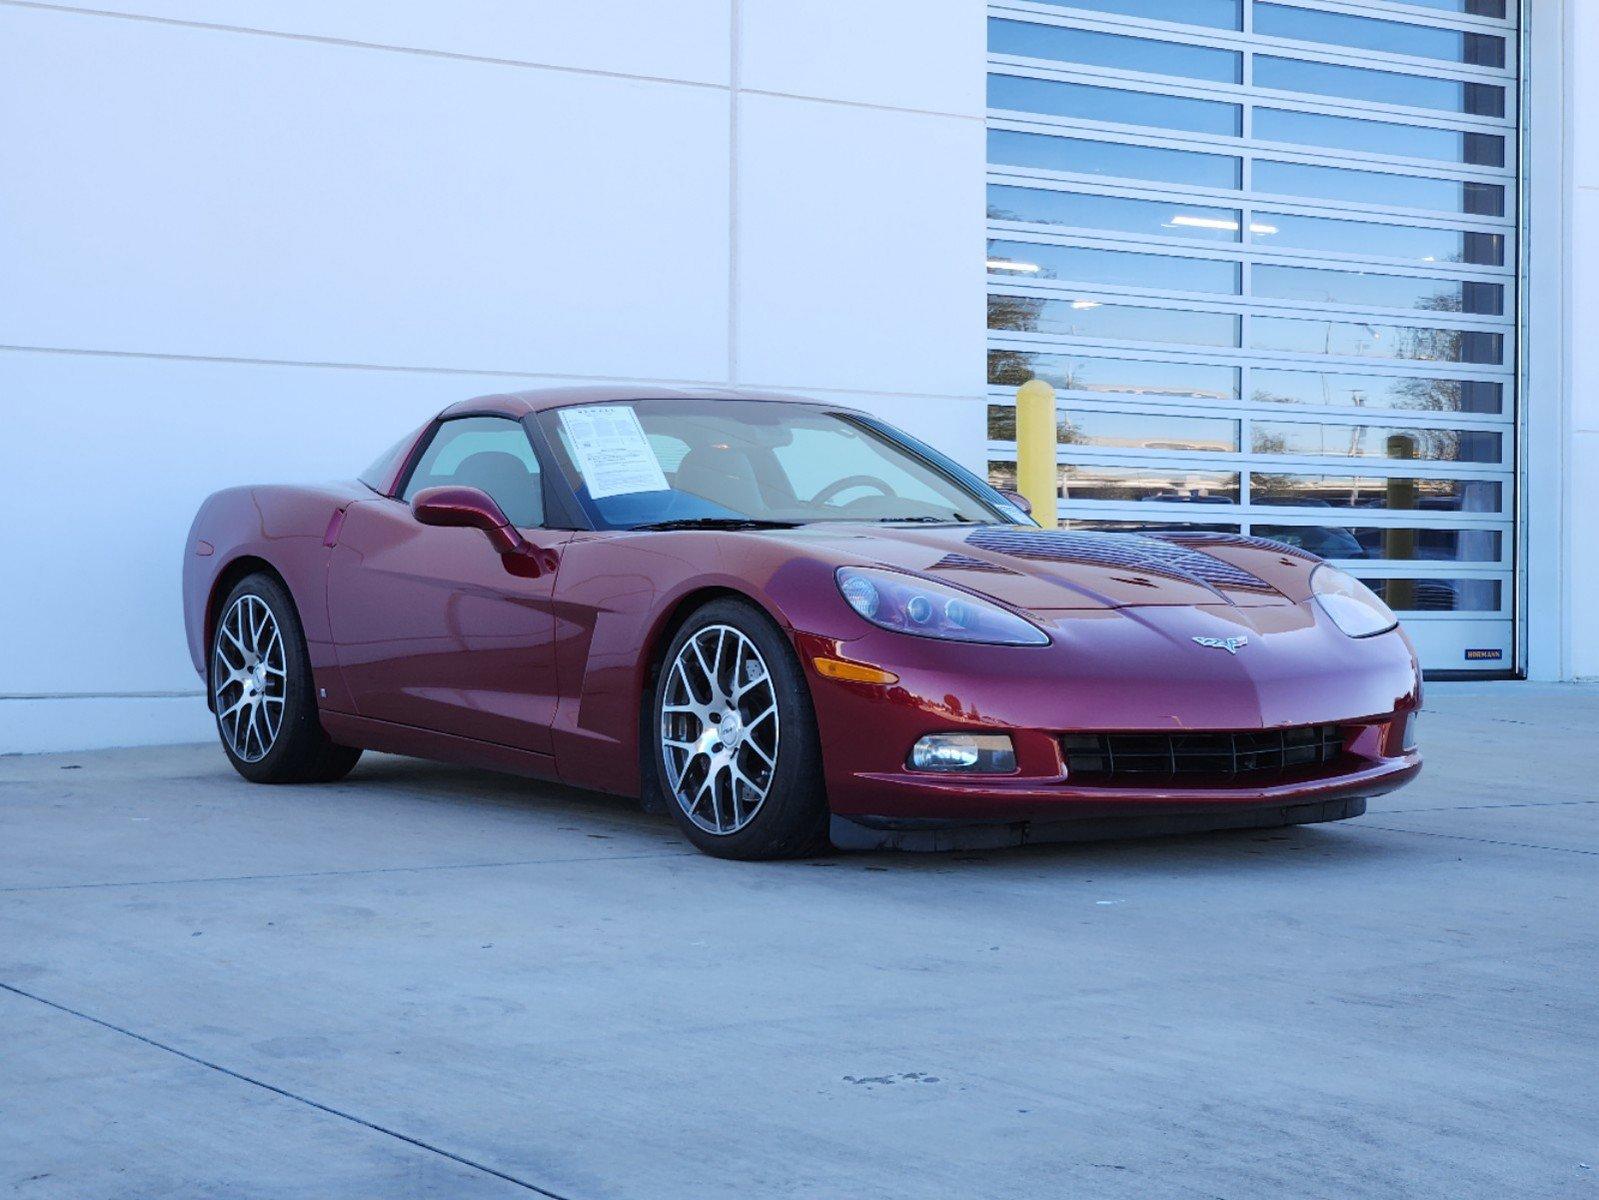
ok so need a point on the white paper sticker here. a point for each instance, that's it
(613, 455)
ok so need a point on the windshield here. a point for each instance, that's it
(649, 462)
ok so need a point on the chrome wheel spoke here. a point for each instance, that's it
(706, 672)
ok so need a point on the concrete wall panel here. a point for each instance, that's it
(685, 39)
(860, 248)
(901, 53)
(184, 191)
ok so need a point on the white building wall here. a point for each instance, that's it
(246, 242)
(1582, 463)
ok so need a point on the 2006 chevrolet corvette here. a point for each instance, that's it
(784, 621)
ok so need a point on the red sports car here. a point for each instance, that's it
(784, 622)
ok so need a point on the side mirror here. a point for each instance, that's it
(1019, 500)
(469, 508)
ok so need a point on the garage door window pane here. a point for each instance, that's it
(1391, 493)
(1089, 317)
(1475, 8)
(1390, 37)
(1414, 242)
(1061, 43)
(1012, 368)
(1375, 441)
(1084, 210)
(1082, 156)
(1082, 264)
(1146, 527)
(1411, 342)
(1377, 391)
(1404, 544)
(1178, 485)
(1218, 14)
(1379, 187)
(1438, 595)
(1380, 87)
(1379, 291)
(1148, 431)
(1079, 101)
(1379, 137)
(1175, 485)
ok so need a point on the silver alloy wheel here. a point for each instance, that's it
(248, 678)
(719, 729)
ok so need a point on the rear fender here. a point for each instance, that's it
(283, 529)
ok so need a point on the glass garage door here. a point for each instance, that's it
(1265, 252)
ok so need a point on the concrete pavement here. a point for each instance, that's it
(432, 982)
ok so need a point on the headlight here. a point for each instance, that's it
(910, 604)
(1352, 605)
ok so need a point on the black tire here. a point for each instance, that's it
(298, 750)
(792, 820)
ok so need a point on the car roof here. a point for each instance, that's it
(520, 404)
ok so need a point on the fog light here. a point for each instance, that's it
(969, 753)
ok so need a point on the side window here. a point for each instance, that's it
(488, 453)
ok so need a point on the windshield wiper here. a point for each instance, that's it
(955, 519)
(716, 523)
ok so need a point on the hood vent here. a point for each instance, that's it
(1122, 551)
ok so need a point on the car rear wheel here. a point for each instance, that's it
(735, 745)
(262, 690)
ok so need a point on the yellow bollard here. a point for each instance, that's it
(1399, 545)
(1037, 476)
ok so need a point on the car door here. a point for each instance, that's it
(432, 629)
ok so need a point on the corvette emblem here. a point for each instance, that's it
(1232, 645)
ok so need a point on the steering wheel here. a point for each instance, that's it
(851, 481)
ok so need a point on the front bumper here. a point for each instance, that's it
(1124, 671)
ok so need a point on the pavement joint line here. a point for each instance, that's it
(1461, 837)
(1399, 812)
(286, 1094)
(472, 866)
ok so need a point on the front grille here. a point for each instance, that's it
(1256, 755)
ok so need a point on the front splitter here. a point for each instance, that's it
(897, 833)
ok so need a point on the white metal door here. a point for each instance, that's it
(1265, 251)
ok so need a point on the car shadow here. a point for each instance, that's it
(1307, 845)
(423, 778)
(1298, 846)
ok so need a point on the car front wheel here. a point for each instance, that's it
(734, 734)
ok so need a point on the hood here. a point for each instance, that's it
(1046, 570)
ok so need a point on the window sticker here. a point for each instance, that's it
(612, 453)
